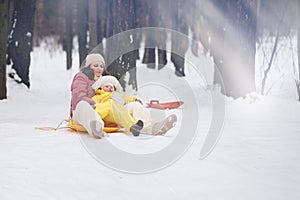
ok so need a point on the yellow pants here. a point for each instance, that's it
(112, 112)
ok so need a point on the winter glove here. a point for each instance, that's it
(140, 101)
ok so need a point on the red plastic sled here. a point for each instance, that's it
(166, 105)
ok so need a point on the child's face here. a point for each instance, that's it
(108, 88)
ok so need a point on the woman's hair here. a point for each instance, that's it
(105, 72)
(90, 73)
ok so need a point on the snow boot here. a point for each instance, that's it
(97, 129)
(179, 71)
(162, 127)
(136, 128)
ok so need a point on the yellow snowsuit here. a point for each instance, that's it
(113, 112)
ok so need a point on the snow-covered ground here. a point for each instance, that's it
(257, 156)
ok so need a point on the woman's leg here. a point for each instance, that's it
(163, 126)
(85, 115)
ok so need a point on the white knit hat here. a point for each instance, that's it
(107, 79)
(94, 58)
(107, 84)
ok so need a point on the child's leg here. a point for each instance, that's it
(104, 111)
(122, 116)
(113, 112)
(138, 112)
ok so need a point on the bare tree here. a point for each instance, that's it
(233, 44)
(298, 46)
(180, 23)
(3, 40)
(82, 27)
(267, 70)
(123, 19)
(20, 40)
(69, 32)
(50, 21)
(93, 39)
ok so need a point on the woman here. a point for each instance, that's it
(82, 106)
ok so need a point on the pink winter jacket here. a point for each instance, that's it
(81, 89)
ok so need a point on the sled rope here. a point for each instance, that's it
(52, 128)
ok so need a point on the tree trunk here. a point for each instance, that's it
(20, 43)
(234, 47)
(116, 66)
(110, 18)
(92, 25)
(82, 27)
(298, 46)
(130, 58)
(69, 32)
(151, 21)
(179, 48)
(10, 25)
(4, 17)
(101, 19)
(123, 19)
(10, 14)
(266, 72)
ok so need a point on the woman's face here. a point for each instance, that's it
(97, 69)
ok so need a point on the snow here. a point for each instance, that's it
(257, 156)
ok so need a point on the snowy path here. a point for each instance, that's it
(255, 159)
